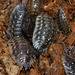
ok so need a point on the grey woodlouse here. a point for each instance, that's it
(17, 20)
(69, 60)
(62, 22)
(44, 32)
(20, 48)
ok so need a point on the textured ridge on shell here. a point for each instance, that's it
(62, 22)
(44, 31)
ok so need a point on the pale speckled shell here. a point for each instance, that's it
(44, 31)
(69, 61)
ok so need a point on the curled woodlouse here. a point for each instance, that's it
(44, 32)
(69, 60)
(20, 48)
(62, 22)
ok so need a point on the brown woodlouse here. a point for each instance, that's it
(69, 60)
(20, 48)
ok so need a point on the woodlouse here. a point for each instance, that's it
(17, 20)
(62, 22)
(20, 48)
(44, 32)
(69, 60)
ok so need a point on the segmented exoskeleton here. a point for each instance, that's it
(34, 6)
(44, 32)
(62, 22)
(16, 20)
(21, 52)
(20, 48)
(69, 60)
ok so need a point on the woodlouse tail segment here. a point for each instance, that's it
(62, 22)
